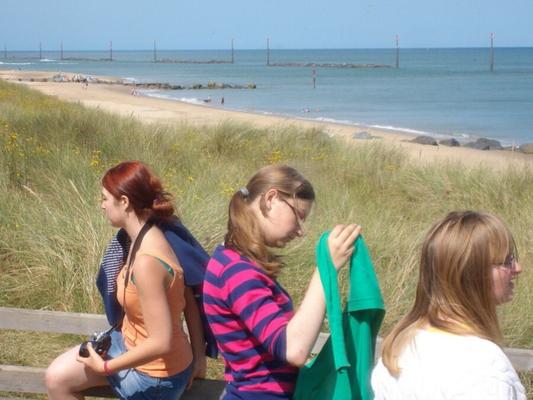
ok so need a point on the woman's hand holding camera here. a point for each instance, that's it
(340, 243)
(94, 361)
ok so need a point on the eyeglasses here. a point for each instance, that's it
(299, 219)
(510, 262)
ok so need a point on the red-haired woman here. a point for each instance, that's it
(150, 356)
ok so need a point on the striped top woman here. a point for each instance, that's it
(262, 340)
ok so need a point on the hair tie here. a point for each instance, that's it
(244, 191)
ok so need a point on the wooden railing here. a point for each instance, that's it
(23, 379)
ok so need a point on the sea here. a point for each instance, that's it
(443, 92)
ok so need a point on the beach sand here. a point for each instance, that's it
(118, 99)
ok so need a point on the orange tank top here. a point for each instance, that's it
(134, 330)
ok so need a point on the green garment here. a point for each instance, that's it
(341, 371)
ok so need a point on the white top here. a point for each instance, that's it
(442, 366)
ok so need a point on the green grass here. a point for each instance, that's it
(53, 233)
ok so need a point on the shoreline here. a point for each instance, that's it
(117, 98)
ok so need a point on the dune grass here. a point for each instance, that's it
(53, 234)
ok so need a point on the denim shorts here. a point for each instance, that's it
(135, 385)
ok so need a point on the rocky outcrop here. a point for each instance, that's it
(526, 148)
(450, 142)
(427, 140)
(362, 135)
(328, 65)
(194, 86)
(485, 144)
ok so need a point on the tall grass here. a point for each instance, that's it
(53, 234)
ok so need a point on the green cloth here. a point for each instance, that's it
(341, 371)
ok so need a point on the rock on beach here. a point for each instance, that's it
(427, 140)
(450, 142)
(485, 144)
(526, 148)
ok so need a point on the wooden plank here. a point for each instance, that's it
(78, 323)
(51, 321)
(202, 389)
(321, 341)
(31, 380)
(21, 379)
(208, 389)
(522, 359)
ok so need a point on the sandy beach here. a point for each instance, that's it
(118, 99)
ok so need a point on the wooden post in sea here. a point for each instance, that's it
(110, 50)
(40, 51)
(268, 51)
(232, 51)
(155, 53)
(61, 50)
(314, 78)
(491, 53)
(397, 52)
(5, 51)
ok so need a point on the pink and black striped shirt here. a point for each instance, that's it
(248, 313)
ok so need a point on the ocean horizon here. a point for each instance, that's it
(443, 92)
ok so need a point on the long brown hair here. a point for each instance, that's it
(455, 286)
(144, 190)
(243, 233)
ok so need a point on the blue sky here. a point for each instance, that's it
(210, 24)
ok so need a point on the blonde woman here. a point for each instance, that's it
(448, 345)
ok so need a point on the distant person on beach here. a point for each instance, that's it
(449, 345)
(150, 356)
(222, 100)
(262, 339)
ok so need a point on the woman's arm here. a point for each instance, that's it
(304, 326)
(196, 334)
(151, 281)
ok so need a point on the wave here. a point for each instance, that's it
(16, 63)
(46, 60)
(159, 95)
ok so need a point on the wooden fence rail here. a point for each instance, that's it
(23, 379)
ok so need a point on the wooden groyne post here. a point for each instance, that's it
(5, 51)
(397, 52)
(110, 50)
(232, 52)
(40, 51)
(491, 52)
(268, 51)
(155, 52)
(61, 49)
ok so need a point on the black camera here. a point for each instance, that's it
(101, 343)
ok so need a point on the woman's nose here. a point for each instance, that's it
(517, 268)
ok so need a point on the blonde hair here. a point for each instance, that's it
(455, 287)
(243, 233)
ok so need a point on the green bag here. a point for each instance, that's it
(341, 371)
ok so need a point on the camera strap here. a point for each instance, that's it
(136, 244)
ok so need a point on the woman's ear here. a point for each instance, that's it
(124, 202)
(269, 196)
